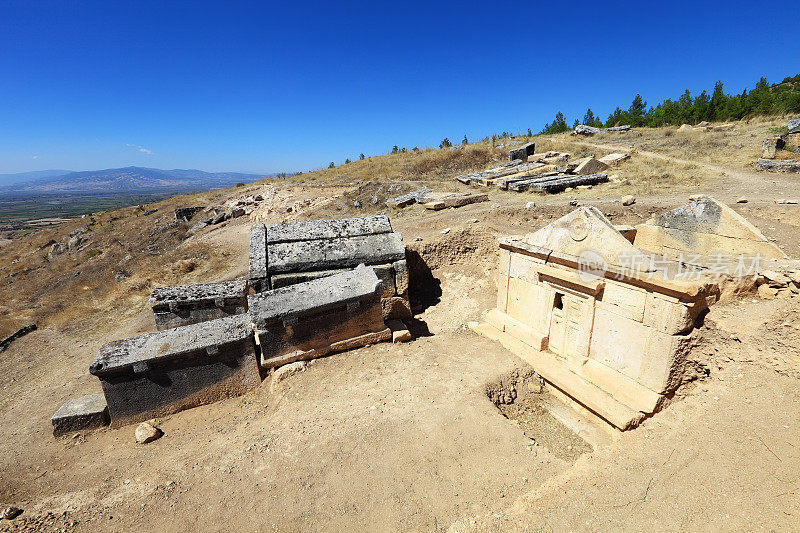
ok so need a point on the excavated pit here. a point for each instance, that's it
(522, 398)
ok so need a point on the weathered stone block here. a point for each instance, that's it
(160, 373)
(312, 230)
(190, 304)
(326, 254)
(86, 412)
(625, 300)
(793, 126)
(401, 276)
(258, 258)
(670, 315)
(314, 318)
(185, 214)
(522, 152)
(651, 358)
(396, 307)
(288, 303)
(385, 274)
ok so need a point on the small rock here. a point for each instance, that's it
(628, 200)
(147, 433)
(741, 200)
(445, 231)
(418, 239)
(474, 220)
(284, 371)
(574, 203)
(237, 212)
(530, 205)
(10, 513)
(357, 204)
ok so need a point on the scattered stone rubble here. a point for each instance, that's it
(774, 143)
(316, 288)
(582, 129)
(608, 317)
(549, 172)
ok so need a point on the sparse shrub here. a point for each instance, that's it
(346, 161)
(465, 141)
(395, 149)
(529, 133)
(361, 157)
(331, 165)
(93, 253)
(240, 184)
(445, 143)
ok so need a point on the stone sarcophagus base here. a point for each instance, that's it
(160, 373)
(190, 304)
(315, 318)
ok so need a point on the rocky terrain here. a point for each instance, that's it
(402, 436)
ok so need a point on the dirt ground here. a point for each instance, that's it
(403, 436)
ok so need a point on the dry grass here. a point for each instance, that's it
(641, 174)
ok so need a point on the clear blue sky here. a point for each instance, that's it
(264, 86)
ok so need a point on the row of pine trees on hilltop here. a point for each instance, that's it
(777, 99)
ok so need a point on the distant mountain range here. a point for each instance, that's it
(127, 179)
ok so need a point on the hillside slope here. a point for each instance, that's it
(400, 437)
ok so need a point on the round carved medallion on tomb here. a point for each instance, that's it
(579, 228)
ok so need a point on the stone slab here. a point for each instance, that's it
(165, 297)
(413, 197)
(86, 412)
(326, 254)
(191, 304)
(313, 296)
(292, 278)
(120, 357)
(401, 277)
(258, 258)
(311, 230)
(522, 152)
(456, 201)
(316, 333)
(589, 165)
(793, 126)
(778, 166)
(614, 159)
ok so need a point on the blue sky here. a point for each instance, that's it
(262, 87)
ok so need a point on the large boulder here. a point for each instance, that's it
(794, 126)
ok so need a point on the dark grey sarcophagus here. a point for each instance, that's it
(160, 373)
(189, 304)
(315, 318)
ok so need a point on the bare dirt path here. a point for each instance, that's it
(735, 183)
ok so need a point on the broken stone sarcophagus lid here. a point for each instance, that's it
(86, 412)
(602, 322)
(189, 304)
(297, 252)
(160, 373)
(312, 319)
(522, 152)
(258, 279)
(704, 226)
